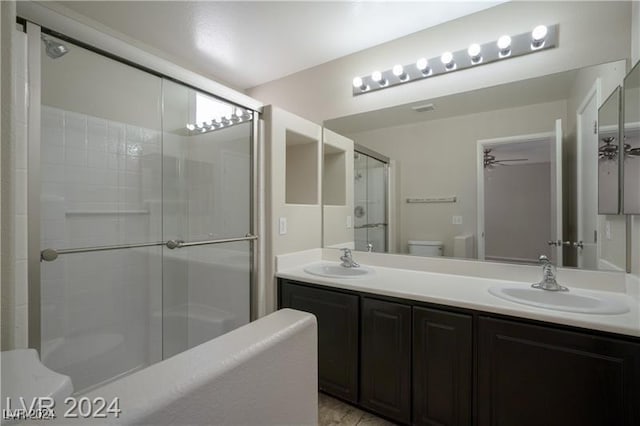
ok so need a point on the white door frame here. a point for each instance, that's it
(481, 144)
(595, 91)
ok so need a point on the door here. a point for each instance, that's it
(520, 197)
(385, 380)
(530, 375)
(337, 315)
(556, 195)
(206, 217)
(587, 175)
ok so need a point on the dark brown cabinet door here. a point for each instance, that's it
(442, 368)
(337, 315)
(532, 375)
(385, 376)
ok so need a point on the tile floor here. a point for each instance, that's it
(332, 412)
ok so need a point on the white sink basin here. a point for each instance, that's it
(332, 270)
(568, 301)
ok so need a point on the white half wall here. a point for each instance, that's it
(265, 373)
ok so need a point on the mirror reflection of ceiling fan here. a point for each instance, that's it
(609, 151)
(490, 160)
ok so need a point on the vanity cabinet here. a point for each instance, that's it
(442, 367)
(537, 375)
(423, 364)
(338, 333)
(385, 359)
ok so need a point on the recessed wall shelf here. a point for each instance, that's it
(301, 169)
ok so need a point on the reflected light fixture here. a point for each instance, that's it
(538, 36)
(239, 116)
(398, 71)
(501, 48)
(378, 78)
(447, 61)
(504, 46)
(475, 53)
(423, 66)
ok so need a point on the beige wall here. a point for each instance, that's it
(610, 75)
(337, 180)
(590, 33)
(304, 221)
(438, 158)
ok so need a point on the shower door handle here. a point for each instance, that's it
(174, 244)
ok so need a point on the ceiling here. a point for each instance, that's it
(245, 44)
(553, 87)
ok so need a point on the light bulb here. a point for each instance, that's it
(398, 71)
(447, 60)
(474, 53)
(239, 113)
(423, 65)
(538, 35)
(359, 84)
(378, 78)
(191, 127)
(504, 45)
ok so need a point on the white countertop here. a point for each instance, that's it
(471, 293)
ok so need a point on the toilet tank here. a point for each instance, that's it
(425, 248)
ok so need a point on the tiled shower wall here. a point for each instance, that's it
(101, 185)
(19, 189)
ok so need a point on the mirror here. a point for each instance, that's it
(504, 173)
(631, 181)
(608, 158)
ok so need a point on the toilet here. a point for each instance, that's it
(425, 248)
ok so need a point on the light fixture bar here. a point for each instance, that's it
(238, 117)
(469, 57)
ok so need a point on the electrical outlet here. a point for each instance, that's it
(349, 222)
(283, 225)
(607, 229)
(456, 220)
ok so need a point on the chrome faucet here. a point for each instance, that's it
(548, 282)
(347, 260)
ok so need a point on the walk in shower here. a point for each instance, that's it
(371, 174)
(143, 212)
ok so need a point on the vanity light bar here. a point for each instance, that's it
(239, 116)
(505, 47)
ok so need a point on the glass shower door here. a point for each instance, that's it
(370, 194)
(207, 193)
(146, 215)
(100, 168)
